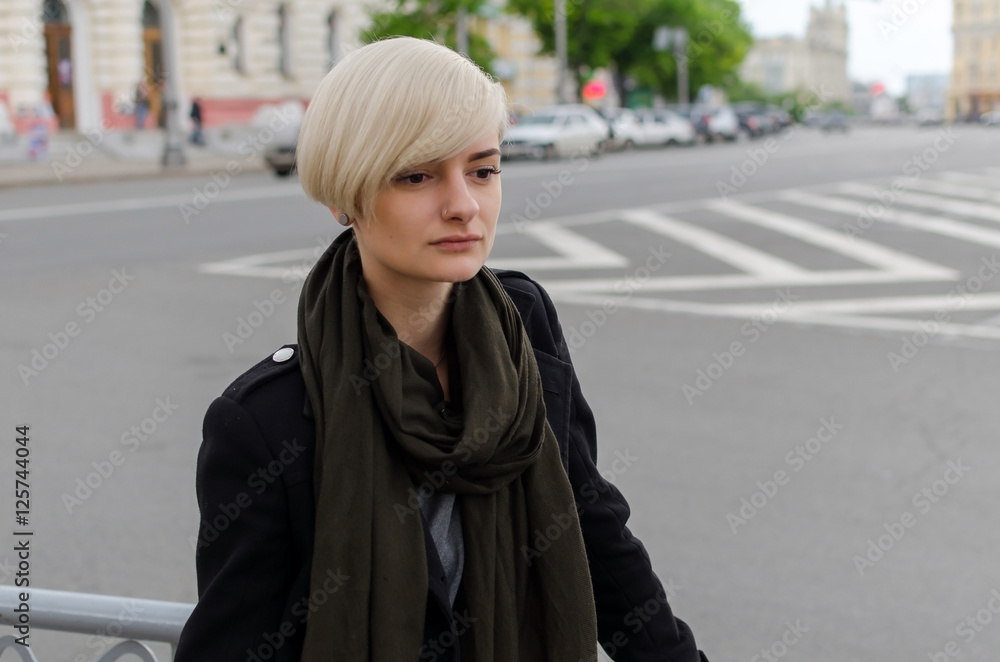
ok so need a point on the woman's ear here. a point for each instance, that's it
(341, 217)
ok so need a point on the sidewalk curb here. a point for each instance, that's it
(36, 174)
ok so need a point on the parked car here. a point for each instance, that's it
(779, 118)
(723, 124)
(713, 123)
(557, 131)
(677, 129)
(698, 119)
(992, 118)
(754, 120)
(626, 132)
(834, 121)
(281, 123)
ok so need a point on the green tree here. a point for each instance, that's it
(718, 40)
(596, 29)
(432, 19)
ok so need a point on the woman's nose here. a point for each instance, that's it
(458, 203)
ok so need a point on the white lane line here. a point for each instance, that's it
(955, 190)
(745, 311)
(256, 266)
(747, 281)
(913, 199)
(722, 248)
(886, 305)
(976, 180)
(576, 251)
(153, 202)
(932, 224)
(854, 248)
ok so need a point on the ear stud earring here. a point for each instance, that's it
(344, 220)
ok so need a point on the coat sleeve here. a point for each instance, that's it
(634, 620)
(242, 539)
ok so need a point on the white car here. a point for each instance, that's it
(663, 127)
(557, 131)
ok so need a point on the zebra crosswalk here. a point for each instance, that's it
(882, 256)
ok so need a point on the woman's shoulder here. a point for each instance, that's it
(538, 313)
(277, 367)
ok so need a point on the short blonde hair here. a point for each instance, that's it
(386, 107)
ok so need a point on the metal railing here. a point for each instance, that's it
(106, 616)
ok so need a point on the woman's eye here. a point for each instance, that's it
(414, 178)
(486, 173)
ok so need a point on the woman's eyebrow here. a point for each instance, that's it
(484, 154)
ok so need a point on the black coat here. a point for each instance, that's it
(255, 492)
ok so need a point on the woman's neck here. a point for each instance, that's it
(419, 314)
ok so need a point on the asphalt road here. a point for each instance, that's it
(791, 349)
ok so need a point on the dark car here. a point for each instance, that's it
(834, 121)
(754, 120)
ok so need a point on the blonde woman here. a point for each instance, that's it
(415, 479)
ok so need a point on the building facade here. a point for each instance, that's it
(927, 92)
(87, 64)
(975, 79)
(819, 61)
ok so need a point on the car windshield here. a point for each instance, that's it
(536, 119)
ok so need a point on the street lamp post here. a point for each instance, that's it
(675, 39)
(173, 148)
(560, 10)
(462, 30)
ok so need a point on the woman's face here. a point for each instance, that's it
(436, 222)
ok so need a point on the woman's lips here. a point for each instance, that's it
(457, 243)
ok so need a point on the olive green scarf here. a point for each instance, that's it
(379, 440)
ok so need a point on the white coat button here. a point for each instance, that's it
(283, 354)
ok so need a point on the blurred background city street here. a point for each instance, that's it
(780, 292)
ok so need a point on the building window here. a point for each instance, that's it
(239, 45)
(284, 42)
(333, 38)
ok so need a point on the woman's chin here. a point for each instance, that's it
(459, 270)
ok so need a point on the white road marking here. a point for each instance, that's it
(956, 190)
(987, 181)
(575, 251)
(256, 266)
(722, 248)
(747, 281)
(933, 224)
(154, 202)
(856, 249)
(748, 311)
(913, 199)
